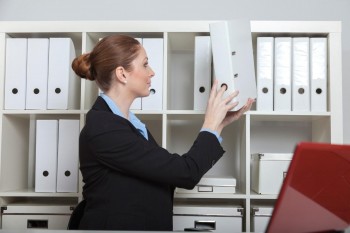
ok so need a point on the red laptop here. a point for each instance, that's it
(315, 195)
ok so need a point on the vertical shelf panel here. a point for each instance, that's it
(335, 87)
(2, 69)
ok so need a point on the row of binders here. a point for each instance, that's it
(38, 74)
(292, 74)
(155, 49)
(57, 155)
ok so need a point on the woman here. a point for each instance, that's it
(129, 179)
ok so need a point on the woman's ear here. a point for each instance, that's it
(119, 73)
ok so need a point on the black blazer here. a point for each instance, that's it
(130, 181)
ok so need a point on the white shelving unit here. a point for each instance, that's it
(176, 126)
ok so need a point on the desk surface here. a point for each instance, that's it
(79, 231)
(71, 231)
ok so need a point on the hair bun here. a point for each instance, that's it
(81, 66)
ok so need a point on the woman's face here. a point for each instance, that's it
(139, 79)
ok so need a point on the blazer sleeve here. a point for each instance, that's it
(115, 145)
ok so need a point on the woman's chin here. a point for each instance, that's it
(144, 95)
(147, 93)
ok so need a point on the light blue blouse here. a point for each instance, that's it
(137, 123)
(133, 119)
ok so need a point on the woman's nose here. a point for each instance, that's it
(152, 73)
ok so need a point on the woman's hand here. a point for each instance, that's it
(233, 116)
(217, 115)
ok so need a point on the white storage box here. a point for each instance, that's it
(212, 185)
(261, 216)
(20, 217)
(268, 171)
(216, 218)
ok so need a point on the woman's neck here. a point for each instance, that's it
(123, 102)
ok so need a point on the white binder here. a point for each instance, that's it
(202, 72)
(46, 155)
(37, 73)
(233, 58)
(300, 75)
(136, 104)
(154, 50)
(68, 155)
(264, 68)
(62, 83)
(318, 74)
(15, 73)
(283, 74)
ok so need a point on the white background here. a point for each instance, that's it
(193, 10)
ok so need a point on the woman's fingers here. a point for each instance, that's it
(247, 106)
(213, 90)
(230, 97)
(217, 114)
(235, 115)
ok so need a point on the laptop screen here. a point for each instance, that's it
(315, 195)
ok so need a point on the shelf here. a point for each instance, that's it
(149, 115)
(211, 196)
(185, 115)
(32, 193)
(255, 195)
(287, 116)
(41, 112)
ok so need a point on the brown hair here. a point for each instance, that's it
(108, 54)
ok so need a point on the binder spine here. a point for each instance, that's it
(300, 75)
(202, 72)
(318, 72)
(283, 74)
(15, 73)
(265, 66)
(37, 73)
(155, 50)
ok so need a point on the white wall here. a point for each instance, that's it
(192, 10)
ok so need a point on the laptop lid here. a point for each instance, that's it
(315, 195)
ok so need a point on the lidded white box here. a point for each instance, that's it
(20, 216)
(269, 171)
(225, 184)
(214, 217)
(261, 216)
(37, 209)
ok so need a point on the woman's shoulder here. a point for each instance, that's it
(100, 117)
